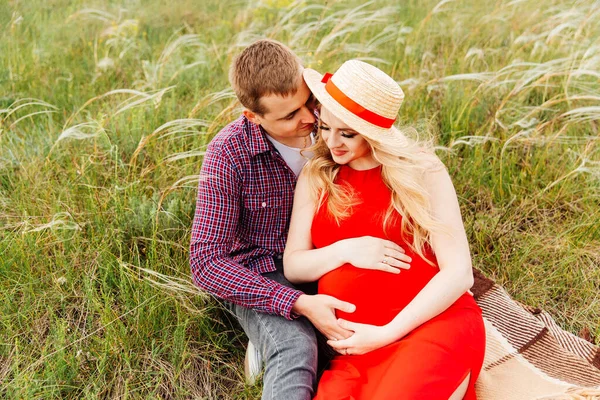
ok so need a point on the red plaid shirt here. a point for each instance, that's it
(245, 197)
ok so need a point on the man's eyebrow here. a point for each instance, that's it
(290, 114)
(310, 97)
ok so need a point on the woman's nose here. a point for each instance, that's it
(332, 141)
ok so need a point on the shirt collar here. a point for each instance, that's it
(257, 138)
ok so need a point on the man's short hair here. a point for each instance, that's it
(264, 68)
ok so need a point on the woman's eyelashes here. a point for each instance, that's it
(344, 134)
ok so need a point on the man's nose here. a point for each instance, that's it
(308, 117)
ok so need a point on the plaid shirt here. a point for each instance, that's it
(245, 197)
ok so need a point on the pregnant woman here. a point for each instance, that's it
(376, 220)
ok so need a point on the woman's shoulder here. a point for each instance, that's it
(430, 162)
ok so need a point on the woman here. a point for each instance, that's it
(376, 220)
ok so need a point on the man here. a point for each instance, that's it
(242, 216)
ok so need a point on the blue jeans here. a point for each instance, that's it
(289, 349)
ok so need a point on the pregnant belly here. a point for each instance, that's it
(378, 296)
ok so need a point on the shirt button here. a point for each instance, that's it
(279, 257)
(264, 204)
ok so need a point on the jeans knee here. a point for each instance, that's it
(300, 346)
(291, 362)
(306, 345)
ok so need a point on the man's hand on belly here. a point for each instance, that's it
(320, 311)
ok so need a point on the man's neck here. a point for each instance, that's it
(295, 142)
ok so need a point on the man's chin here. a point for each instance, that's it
(306, 131)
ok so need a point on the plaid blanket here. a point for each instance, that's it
(528, 356)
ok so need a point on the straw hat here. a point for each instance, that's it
(364, 97)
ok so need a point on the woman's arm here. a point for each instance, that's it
(303, 263)
(454, 279)
(452, 252)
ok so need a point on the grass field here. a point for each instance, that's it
(106, 108)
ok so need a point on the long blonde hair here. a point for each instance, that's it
(404, 165)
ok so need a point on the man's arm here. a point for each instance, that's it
(215, 223)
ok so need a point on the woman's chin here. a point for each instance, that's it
(339, 160)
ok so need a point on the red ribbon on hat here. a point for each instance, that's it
(353, 106)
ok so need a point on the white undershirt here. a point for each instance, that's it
(291, 155)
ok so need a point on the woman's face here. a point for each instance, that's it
(345, 144)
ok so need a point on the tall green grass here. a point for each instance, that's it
(106, 109)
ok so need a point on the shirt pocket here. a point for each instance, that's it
(263, 215)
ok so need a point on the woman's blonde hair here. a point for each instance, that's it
(404, 165)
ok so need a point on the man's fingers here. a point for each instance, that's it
(334, 344)
(351, 326)
(344, 306)
(336, 333)
(332, 302)
(344, 324)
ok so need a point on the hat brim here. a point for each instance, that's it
(313, 81)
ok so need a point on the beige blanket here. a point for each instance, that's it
(528, 356)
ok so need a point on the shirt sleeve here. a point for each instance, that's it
(215, 223)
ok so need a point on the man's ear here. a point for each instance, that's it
(252, 116)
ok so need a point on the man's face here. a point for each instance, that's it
(287, 118)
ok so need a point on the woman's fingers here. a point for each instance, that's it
(338, 344)
(397, 259)
(388, 244)
(397, 264)
(387, 268)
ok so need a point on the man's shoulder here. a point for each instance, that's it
(232, 138)
(229, 148)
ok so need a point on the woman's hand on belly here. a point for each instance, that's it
(369, 252)
(365, 338)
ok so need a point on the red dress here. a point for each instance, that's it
(432, 360)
